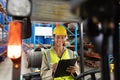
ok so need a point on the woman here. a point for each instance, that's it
(55, 54)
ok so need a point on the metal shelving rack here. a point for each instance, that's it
(33, 38)
(74, 34)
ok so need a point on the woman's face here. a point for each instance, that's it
(59, 40)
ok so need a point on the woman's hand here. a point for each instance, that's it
(71, 69)
(54, 66)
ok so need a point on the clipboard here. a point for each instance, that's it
(62, 66)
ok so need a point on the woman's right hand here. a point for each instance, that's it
(54, 66)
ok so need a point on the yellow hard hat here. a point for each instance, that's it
(60, 30)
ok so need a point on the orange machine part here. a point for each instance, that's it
(14, 40)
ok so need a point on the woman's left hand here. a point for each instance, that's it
(71, 69)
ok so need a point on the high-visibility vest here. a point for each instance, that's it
(52, 58)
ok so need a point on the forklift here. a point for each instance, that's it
(102, 11)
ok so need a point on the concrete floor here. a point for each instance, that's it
(6, 68)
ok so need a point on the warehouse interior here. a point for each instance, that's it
(93, 30)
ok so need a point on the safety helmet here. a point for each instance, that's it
(60, 30)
